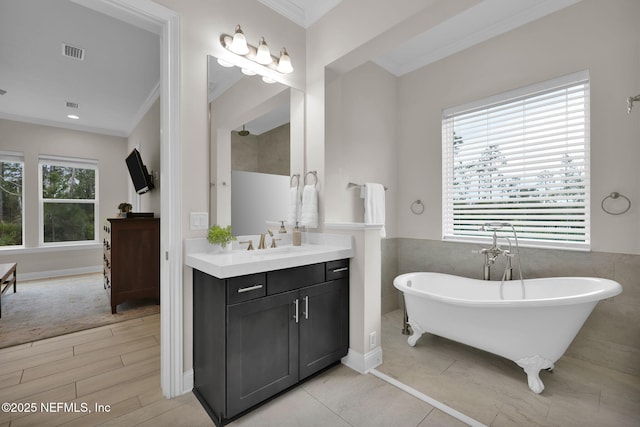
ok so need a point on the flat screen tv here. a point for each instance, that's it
(142, 180)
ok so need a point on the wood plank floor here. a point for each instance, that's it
(112, 376)
(105, 376)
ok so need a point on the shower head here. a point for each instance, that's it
(243, 132)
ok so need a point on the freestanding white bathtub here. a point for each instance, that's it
(533, 332)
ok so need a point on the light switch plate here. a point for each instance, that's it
(199, 220)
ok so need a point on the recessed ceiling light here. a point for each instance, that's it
(73, 116)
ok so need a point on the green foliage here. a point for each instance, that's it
(125, 207)
(65, 182)
(10, 203)
(220, 235)
(10, 234)
(68, 222)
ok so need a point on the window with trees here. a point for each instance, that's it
(11, 199)
(520, 157)
(68, 200)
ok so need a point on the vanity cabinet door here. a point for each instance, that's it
(324, 325)
(262, 350)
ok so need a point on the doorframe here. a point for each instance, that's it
(166, 23)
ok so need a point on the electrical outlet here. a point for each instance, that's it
(373, 340)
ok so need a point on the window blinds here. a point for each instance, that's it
(520, 157)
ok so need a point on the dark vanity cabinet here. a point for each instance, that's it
(260, 334)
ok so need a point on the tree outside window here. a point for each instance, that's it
(11, 201)
(69, 202)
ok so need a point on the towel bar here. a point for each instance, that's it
(354, 185)
(315, 175)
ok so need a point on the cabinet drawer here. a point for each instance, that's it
(337, 269)
(294, 278)
(245, 288)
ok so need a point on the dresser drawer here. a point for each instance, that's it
(337, 269)
(294, 278)
(244, 288)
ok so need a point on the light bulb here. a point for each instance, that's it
(264, 55)
(284, 63)
(239, 42)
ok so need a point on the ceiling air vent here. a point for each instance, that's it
(72, 104)
(72, 52)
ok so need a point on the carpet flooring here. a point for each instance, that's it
(51, 307)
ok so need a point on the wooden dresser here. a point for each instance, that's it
(131, 259)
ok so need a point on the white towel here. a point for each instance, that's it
(293, 212)
(309, 213)
(373, 195)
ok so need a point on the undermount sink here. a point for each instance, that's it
(283, 250)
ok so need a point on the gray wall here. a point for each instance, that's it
(611, 335)
(268, 152)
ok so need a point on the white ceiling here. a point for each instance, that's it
(489, 18)
(119, 78)
(113, 86)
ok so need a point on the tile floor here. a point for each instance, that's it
(118, 365)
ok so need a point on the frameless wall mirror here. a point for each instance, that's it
(256, 144)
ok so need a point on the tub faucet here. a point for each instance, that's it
(491, 254)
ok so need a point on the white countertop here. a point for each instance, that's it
(316, 247)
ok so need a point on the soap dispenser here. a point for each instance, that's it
(297, 236)
(282, 229)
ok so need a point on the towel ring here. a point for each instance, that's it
(614, 196)
(297, 177)
(315, 175)
(417, 207)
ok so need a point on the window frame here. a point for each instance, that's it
(449, 231)
(72, 163)
(16, 157)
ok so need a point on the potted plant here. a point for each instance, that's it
(124, 208)
(220, 236)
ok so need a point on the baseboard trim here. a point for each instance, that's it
(363, 363)
(58, 273)
(187, 381)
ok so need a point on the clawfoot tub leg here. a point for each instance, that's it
(532, 367)
(415, 336)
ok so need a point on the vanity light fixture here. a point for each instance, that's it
(263, 56)
(284, 63)
(260, 55)
(238, 44)
(224, 63)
